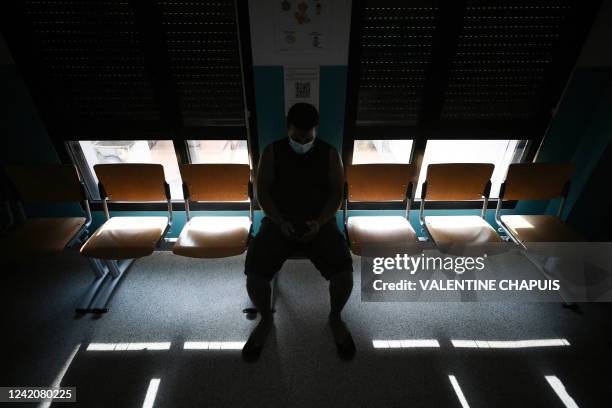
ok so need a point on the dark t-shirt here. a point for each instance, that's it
(301, 181)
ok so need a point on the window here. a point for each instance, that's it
(103, 75)
(396, 46)
(424, 63)
(505, 59)
(499, 152)
(477, 69)
(107, 68)
(218, 151)
(127, 151)
(382, 151)
(202, 44)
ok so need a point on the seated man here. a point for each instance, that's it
(299, 187)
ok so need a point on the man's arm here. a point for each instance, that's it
(265, 179)
(336, 188)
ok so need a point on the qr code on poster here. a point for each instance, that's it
(302, 89)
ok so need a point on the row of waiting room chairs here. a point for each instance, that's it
(456, 182)
(119, 240)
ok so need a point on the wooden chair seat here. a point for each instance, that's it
(374, 235)
(540, 228)
(213, 237)
(125, 238)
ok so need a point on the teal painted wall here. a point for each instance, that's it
(332, 101)
(269, 104)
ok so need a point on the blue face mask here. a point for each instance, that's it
(300, 148)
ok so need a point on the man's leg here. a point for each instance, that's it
(340, 288)
(259, 292)
(265, 256)
(331, 255)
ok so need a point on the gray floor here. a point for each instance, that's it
(165, 298)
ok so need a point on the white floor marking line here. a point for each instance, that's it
(413, 343)
(213, 345)
(128, 346)
(151, 393)
(510, 344)
(60, 376)
(458, 391)
(560, 390)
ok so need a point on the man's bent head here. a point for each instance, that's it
(302, 121)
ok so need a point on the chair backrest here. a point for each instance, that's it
(50, 183)
(379, 182)
(537, 181)
(133, 181)
(216, 182)
(457, 181)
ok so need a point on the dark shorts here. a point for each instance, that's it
(269, 249)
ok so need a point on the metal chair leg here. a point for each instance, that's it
(117, 271)
(101, 272)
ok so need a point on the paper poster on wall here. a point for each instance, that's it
(301, 85)
(301, 25)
